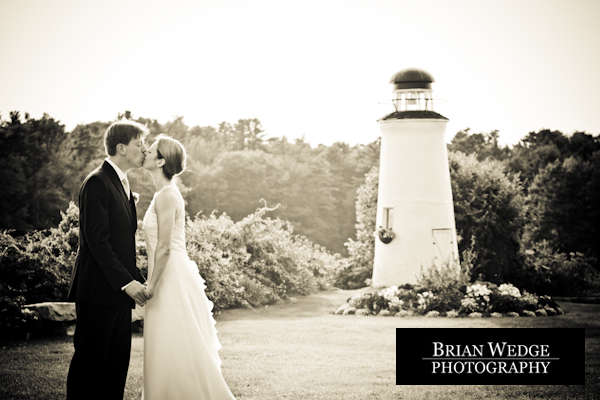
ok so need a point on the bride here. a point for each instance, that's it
(181, 359)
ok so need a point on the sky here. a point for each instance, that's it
(319, 70)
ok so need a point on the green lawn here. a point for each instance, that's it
(300, 351)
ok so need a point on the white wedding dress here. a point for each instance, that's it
(181, 359)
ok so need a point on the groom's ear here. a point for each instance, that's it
(121, 149)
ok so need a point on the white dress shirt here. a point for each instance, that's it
(122, 176)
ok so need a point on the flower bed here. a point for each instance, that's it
(479, 299)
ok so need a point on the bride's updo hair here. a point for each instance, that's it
(173, 152)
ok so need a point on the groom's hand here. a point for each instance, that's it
(137, 292)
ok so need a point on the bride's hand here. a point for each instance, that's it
(149, 291)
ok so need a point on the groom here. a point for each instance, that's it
(106, 283)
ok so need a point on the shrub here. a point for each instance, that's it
(477, 299)
(506, 298)
(447, 275)
(489, 221)
(358, 267)
(34, 268)
(447, 282)
(546, 271)
(562, 205)
(257, 260)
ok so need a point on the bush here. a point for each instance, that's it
(447, 284)
(550, 272)
(252, 262)
(358, 267)
(34, 268)
(562, 206)
(477, 299)
(507, 298)
(481, 298)
(487, 208)
(257, 260)
(448, 275)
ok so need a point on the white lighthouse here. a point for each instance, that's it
(414, 206)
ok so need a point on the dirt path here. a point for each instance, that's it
(313, 305)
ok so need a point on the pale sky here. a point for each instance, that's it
(318, 69)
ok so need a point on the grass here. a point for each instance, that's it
(300, 351)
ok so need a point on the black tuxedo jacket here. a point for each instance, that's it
(106, 255)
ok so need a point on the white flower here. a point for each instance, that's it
(478, 290)
(424, 299)
(396, 302)
(468, 303)
(506, 289)
(389, 293)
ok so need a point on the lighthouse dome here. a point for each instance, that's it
(412, 79)
(413, 100)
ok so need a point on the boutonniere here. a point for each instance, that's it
(136, 197)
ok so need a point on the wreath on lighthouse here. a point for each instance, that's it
(386, 235)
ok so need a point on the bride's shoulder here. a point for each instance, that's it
(166, 198)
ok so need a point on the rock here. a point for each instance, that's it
(341, 309)
(559, 310)
(385, 313)
(527, 313)
(53, 311)
(541, 312)
(550, 310)
(432, 314)
(512, 314)
(349, 311)
(362, 311)
(475, 315)
(293, 300)
(65, 311)
(405, 313)
(496, 315)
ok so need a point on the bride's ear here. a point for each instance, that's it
(160, 162)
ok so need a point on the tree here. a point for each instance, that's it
(237, 182)
(562, 206)
(535, 151)
(483, 145)
(33, 172)
(248, 134)
(487, 210)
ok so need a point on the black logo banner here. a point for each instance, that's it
(490, 356)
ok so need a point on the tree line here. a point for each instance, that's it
(234, 168)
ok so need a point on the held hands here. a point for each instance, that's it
(137, 292)
(150, 290)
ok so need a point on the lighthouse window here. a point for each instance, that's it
(388, 214)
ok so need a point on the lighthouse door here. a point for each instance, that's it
(442, 245)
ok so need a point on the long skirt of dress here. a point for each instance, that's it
(181, 347)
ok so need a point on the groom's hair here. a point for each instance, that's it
(122, 131)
